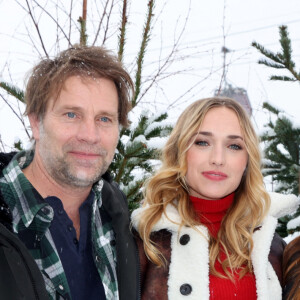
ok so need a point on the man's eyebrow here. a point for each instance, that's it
(231, 136)
(79, 108)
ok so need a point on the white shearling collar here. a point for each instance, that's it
(281, 205)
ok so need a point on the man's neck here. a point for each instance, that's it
(70, 196)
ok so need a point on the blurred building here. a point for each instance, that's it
(238, 94)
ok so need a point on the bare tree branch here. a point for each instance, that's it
(54, 20)
(70, 19)
(36, 27)
(225, 51)
(107, 23)
(100, 22)
(19, 116)
(169, 59)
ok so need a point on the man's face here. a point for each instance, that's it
(76, 140)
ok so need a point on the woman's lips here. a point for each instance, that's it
(214, 175)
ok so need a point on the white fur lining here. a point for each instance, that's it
(189, 265)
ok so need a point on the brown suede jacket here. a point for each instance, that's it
(154, 280)
(186, 275)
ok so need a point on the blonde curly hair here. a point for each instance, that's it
(251, 202)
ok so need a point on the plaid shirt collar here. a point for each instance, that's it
(30, 202)
(32, 213)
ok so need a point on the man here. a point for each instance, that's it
(58, 197)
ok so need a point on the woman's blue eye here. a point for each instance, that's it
(201, 143)
(235, 147)
(71, 115)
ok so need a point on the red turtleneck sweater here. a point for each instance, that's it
(211, 213)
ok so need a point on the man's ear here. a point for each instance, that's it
(35, 122)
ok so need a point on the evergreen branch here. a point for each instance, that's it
(281, 60)
(141, 54)
(122, 31)
(271, 64)
(82, 22)
(270, 108)
(286, 47)
(13, 90)
(83, 35)
(282, 78)
(121, 170)
(266, 52)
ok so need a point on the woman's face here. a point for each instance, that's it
(217, 158)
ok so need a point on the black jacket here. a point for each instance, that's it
(20, 277)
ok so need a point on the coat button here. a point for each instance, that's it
(184, 239)
(185, 289)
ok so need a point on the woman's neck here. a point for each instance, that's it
(211, 212)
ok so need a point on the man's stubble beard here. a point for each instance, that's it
(63, 170)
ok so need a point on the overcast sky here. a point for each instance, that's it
(198, 53)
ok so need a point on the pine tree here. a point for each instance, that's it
(282, 149)
(280, 60)
(282, 138)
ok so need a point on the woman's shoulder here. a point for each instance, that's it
(276, 255)
(169, 220)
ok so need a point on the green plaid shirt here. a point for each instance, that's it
(32, 217)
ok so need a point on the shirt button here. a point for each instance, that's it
(184, 239)
(61, 287)
(97, 258)
(70, 227)
(46, 210)
(60, 211)
(185, 289)
(75, 241)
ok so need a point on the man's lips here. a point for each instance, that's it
(214, 175)
(85, 155)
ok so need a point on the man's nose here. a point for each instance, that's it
(89, 131)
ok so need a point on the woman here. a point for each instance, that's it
(291, 270)
(207, 223)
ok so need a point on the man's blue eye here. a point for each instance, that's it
(71, 115)
(104, 119)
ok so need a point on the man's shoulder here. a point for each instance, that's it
(5, 213)
(111, 187)
(5, 158)
(113, 199)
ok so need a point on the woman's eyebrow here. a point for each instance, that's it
(231, 136)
